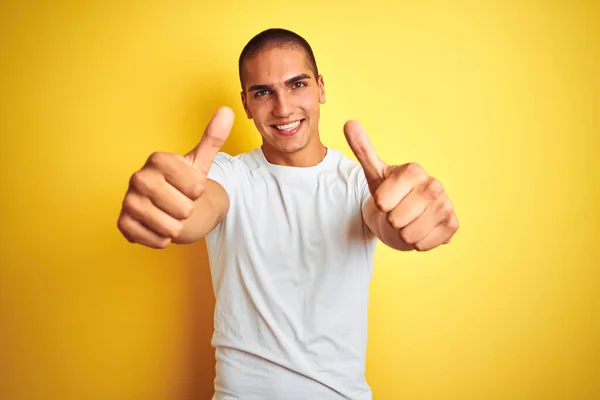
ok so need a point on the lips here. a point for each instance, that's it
(288, 128)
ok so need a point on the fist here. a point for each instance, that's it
(415, 204)
(162, 194)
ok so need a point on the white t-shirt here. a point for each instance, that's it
(291, 266)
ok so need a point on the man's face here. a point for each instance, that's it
(282, 96)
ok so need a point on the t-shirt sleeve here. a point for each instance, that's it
(363, 188)
(363, 194)
(221, 170)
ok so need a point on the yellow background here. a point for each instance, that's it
(499, 100)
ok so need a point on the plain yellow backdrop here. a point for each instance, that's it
(499, 100)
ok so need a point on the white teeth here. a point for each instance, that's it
(288, 127)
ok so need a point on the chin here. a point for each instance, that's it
(292, 147)
(283, 144)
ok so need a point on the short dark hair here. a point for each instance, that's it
(273, 38)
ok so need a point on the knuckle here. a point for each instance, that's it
(120, 224)
(447, 207)
(140, 181)
(196, 190)
(379, 201)
(393, 221)
(406, 237)
(420, 247)
(414, 170)
(162, 244)
(129, 203)
(176, 229)
(187, 210)
(453, 224)
(434, 189)
(124, 227)
(157, 158)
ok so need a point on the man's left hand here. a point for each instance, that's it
(415, 204)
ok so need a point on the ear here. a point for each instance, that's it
(245, 104)
(321, 83)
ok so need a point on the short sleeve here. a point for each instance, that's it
(363, 195)
(363, 188)
(221, 170)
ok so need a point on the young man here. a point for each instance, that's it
(291, 229)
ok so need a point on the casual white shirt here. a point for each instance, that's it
(291, 266)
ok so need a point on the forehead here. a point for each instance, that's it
(275, 65)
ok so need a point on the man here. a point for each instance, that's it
(291, 229)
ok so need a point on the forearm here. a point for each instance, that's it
(210, 209)
(378, 222)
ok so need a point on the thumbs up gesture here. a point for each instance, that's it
(413, 204)
(163, 194)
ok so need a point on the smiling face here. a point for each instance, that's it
(283, 96)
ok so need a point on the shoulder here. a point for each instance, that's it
(347, 167)
(242, 160)
(228, 170)
(353, 174)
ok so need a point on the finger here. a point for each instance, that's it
(144, 211)
(363, 149)
(407, 211)
(441, 234)
(400, 181)
(408, 202)
(136, 232)
(214, 137)
(433, 214)
(390, 194)
(164, 169)
(172, 201)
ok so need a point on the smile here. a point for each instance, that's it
(288, 129)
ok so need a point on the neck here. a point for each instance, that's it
(309, 156)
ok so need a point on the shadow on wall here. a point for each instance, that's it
(199, 357)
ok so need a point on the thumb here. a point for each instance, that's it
(365, 153)
(215, 135)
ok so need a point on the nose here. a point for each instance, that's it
(283, 106)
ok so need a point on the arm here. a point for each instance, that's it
(209, 210)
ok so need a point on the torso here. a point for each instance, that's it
(291, 266)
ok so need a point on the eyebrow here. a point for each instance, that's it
(290, 81)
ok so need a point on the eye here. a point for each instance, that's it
(298, 84)
(261, 93)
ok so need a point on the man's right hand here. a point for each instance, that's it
(163, 194)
